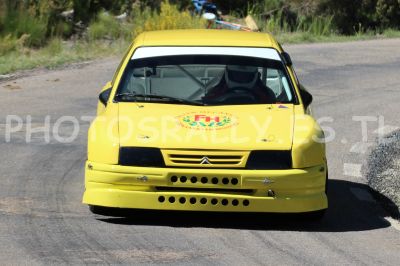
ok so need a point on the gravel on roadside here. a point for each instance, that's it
(383, 172)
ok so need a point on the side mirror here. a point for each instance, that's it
(104, 96)
(306, 97)
(287, 58)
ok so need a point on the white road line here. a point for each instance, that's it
(386, 130)
(360, 147)
(362, 194)
(394, 223)
(351, 169)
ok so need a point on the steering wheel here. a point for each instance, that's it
(231, 95)
(243, 89)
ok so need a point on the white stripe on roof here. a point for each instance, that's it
(146, 52)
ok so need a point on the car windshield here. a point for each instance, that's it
(205, 79)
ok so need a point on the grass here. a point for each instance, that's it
(306, 37)
(107, 27)
(58, 52)
(391, 33)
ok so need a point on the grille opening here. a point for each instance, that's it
(192, 200)
(188, 156)
(213, 163)
(203, 201)
(182, 200)
(224, 202)
(215, 160)
(199, 189)
(205, 180)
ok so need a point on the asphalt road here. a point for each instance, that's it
(42, 220)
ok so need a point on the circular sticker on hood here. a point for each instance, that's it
(207, 120)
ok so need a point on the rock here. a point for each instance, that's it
(12, 87)
(383, 171)
(122, 17)
(6, 77)
(68, 15)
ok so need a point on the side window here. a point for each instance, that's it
(273, 81)
(276, 80)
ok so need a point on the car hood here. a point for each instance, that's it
(236, 127)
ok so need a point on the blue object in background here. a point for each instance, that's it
(201, 6)
(210, 8)
(198, 5)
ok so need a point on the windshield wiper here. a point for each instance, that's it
(151, 96)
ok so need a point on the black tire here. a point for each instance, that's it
(100, 210)
(326, 183)
(314, 216)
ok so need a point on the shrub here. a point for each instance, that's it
(7, 44)
(107, 26)
(62, 29)
(54, 47)
(362, 15)
(236, 6)
(316, 25)
(170, 17)
(388, 13)
(156, 4)
(277, 18)
(18, 23)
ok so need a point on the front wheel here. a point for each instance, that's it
(314, 216)
(100, 210)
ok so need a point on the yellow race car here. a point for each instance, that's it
(206, 120)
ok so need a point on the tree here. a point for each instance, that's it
(388, 13)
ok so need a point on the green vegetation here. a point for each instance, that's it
(58, 52)
(18, 24)
(106, 26)
(46, 33)
(169, 17)
(348, 17)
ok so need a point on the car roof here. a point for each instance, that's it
(206, 38)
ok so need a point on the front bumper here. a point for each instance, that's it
(226, 190)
